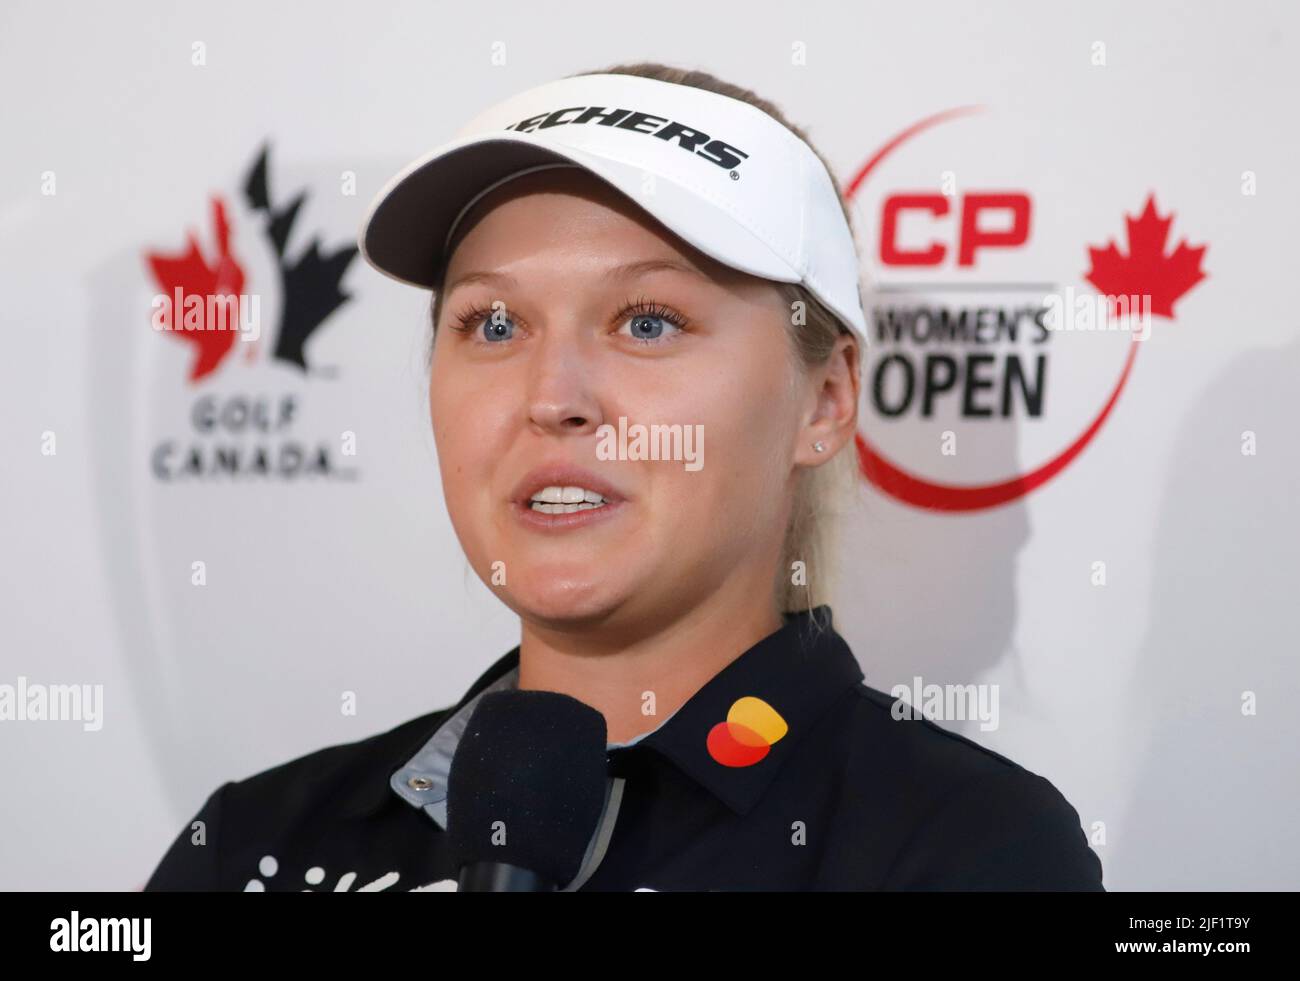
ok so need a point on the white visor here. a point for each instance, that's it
(719, 173)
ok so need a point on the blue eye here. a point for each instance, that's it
(490, 326)
(647, 322)
(647, 328)
(498, 328)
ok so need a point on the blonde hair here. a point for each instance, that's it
(821, 493)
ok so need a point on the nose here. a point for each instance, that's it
(561, 395)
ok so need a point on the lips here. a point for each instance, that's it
(562, 476)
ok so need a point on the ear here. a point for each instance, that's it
(833, 412)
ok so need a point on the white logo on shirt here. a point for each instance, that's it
(314, 876)
(268, 867)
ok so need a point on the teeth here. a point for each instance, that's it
(566, 500)
(565, 508)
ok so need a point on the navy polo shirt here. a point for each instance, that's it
(784, 772)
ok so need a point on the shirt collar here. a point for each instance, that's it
(773, 693)
(796, 672)
(374, 794)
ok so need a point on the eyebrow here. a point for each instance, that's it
(628, 270)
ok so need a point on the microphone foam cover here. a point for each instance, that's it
(527, 783)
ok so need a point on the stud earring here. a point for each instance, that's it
(819, 446)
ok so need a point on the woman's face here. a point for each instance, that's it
(564, 310)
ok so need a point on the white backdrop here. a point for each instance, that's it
(122, 123)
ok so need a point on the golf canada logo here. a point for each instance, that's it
(955, 359)
(205, 300)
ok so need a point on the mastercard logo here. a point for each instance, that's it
(751, 728)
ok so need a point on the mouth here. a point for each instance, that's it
(559, 497)
(566, 500)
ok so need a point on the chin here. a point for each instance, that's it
(564, 602)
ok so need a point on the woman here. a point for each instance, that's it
(644, 381)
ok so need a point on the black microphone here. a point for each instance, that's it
(526, 791)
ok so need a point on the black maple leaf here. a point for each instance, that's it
(311, 284)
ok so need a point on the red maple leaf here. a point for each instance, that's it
(196, 276)
(1146, 270)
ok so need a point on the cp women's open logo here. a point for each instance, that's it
(986, 378)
